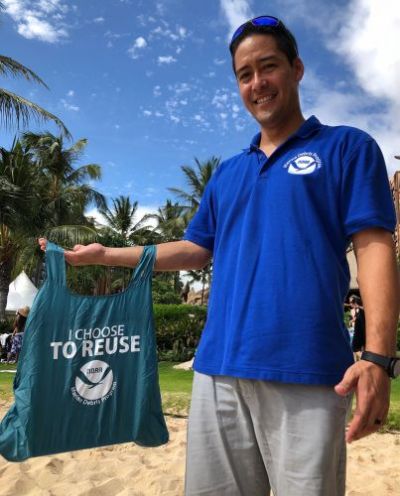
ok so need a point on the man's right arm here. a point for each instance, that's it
(176, 255)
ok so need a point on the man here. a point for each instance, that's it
(274, 367)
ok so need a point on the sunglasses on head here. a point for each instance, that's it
(271, 21)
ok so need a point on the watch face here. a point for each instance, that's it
(396, 368)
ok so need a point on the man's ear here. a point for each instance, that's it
(298, 67)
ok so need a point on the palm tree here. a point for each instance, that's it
(18, 207)
(42, 194)
(197, 179)
(121, 216)
(15, 108)
(171, 224)
(122, 231)
(203, 276)
(64, 188)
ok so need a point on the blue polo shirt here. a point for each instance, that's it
(278, 228)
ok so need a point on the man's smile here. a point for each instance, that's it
(264, 99)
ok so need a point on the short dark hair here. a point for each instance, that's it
(285, 40)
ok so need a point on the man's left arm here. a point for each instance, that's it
(378, 280)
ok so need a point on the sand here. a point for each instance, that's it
(128, 470)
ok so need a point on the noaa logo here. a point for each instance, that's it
(304, 163)
(94, 383)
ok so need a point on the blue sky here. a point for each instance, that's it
(149, 83)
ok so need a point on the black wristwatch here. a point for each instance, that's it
(390, 364)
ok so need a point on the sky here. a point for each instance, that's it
(149, 83)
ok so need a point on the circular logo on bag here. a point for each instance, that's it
(94, 382)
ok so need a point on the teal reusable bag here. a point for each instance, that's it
(87, 374)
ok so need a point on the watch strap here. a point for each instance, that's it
(380, 360)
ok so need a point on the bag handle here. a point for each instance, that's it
(55, 264)
(145, 266)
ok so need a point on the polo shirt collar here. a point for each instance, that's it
(308, 128)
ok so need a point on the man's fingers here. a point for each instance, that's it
(78, 247)
(42, 243)
(358, 424)
(363, 429)
(348, 383)
(369, 416)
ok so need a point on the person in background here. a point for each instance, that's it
(18, 334)
(358, 342)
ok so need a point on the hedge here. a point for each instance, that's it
(178, 329)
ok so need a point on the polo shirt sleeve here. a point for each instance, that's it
(201, 229)
(366, 199)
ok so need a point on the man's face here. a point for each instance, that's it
(268, 84)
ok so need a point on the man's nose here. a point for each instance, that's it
(259, 81)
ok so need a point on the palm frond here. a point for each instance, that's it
(11, 67)
(91, 171)
(15, 108)
(67, 236)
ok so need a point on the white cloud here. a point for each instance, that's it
(69, 106)
(157, 91)
(219, 61)
(174, 118)
(369, 40)
(236, 13)
(220, 99)
(147, 113)
(139, 44)
(98, 20)
(41, 20)
(167, 59)
(179, 88)
(71, 93)
(32, 27)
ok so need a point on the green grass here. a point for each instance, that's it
(6, 381)
(393, 420)
(176, 388)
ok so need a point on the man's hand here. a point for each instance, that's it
(175, 255)
(372, 389)
(92, 254)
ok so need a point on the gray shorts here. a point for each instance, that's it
(247, 437)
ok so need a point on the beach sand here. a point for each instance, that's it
(129, 470)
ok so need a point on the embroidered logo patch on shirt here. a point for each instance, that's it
(303, 163)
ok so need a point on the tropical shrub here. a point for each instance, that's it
(178, 329)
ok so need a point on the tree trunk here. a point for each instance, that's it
(5, 280)
(203, 287)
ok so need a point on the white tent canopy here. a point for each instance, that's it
(21, 293)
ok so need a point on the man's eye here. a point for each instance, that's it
(244, 76)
